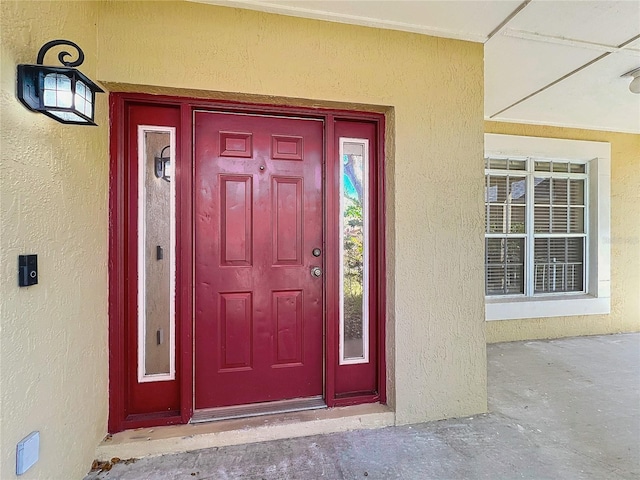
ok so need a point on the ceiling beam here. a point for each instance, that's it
(569, 42)
(509, 17)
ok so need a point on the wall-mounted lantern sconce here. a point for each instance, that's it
(62, 93)
(163, 166)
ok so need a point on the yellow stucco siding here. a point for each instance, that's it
(54, 188)
(53, 198)
(55, 181)
(434, 184)
(625, 243)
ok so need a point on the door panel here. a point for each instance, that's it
(287, 312)
(236, 208)
(286, 194)
(357, 371)
(236, 328)
(258, 215)
(149, 295)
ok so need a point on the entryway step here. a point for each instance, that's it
(144, 442)
(257, 409)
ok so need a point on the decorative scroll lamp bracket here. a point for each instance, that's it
(62, 93)
(62, 55)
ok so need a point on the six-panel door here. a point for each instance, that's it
(258, 216)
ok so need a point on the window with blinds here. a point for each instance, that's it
(535, 226)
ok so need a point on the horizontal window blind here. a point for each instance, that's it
(504, 265)
(536, 206)
(559, 264)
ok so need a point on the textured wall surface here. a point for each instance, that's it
(625, 243)
(53, 198)
(434, 87)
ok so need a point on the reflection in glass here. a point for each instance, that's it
(156, 258)
(505, 197)
(559, 264)
(504, 264)
(354, 319)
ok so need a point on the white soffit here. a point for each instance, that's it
(459, 19)
(515, 68)
(536, 68)
(602, 22)
(635, 46)
(595, 97)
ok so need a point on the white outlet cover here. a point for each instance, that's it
(27, 452)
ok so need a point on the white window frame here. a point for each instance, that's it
(597, 299)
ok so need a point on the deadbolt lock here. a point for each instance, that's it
(316, 252)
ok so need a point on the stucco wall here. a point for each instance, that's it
(432, 86)
(625, 243)
(53, 202)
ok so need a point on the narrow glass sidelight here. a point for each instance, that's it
(354, 251)
(156, 253)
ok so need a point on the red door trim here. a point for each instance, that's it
(184, 229)
(331, 245)
(381, 259)
(117, 380)
(377, 260)
(184, 235)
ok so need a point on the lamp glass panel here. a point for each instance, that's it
(68, 116)
(88, 107)
(81, 89)
(49, 98)
(50, 82)
(57, 91)
(167, 170)
(64, 99)
(79, 106)
(63, 91)
(83, 98)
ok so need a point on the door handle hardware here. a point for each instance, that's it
(316, 272)
(316, 252)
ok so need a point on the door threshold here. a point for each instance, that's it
(145, 442)
(257, 409)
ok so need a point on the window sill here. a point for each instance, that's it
(539, 307)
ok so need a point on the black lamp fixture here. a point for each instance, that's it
(634, 86)
(62, 93)
(163, 166)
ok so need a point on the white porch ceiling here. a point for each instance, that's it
(550, 62)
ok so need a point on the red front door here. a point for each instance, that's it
(258, 214)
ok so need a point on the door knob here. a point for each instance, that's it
(316, 272)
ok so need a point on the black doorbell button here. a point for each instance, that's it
(27, 270)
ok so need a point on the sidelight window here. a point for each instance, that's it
(156, 254)
(354, 246)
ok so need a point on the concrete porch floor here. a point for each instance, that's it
(566, 409)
